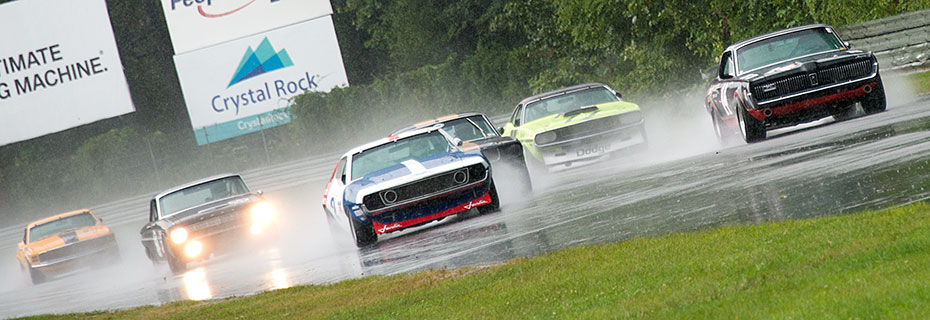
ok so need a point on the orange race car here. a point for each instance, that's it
(65, 242)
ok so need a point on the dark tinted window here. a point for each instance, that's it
(785, 47)
(41, 231)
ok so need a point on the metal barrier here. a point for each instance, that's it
(901, 43)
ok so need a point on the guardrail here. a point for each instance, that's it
(901, 43)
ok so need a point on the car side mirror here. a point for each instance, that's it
(500, 130)
(101, 220)
(846, 44)
(259, 192)
(619, 96)
(457, 141)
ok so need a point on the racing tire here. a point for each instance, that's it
(363, 233)
(331, 223)
(875, 102)
(177, 265)
(845, 113)
(752, 129)
(36, 276)
(526, 184)
(718, 131)
(495, 204)
(533, 166)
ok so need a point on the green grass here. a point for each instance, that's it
(869, 265)
(920, 82)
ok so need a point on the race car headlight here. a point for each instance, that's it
(262, 213)
(178, 235)
(193, 249)
(545, 137)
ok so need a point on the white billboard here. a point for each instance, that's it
(245, 85)
(195, 24)
(59, 67)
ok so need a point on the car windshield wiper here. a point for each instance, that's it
(579, 111)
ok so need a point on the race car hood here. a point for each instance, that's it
(68, 237)
(488, 142)
(183, 217)
(574, 117)
(803, 65)
(411, 170)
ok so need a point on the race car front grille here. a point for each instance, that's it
(850, 71)
(76, 249)
(222, 221)
(592, 127)
(831, 75)
(425, 187)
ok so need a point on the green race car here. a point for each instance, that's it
(576, 126)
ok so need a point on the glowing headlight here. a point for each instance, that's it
(256, 229)
(193, 249)
(178, 235)
(545, 137)
(262, 212)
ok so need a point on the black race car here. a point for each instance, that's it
(789, 77)
(474, 130)
(189, 222)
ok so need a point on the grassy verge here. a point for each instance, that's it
(920, 82)
(867, 265)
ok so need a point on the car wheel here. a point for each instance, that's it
(717, 130)
(495, 204)
(752, 129)
(177, 265)
(533, 166)
(526, 184)
(36, 276)
(845, 113)
(331, 222)
(363, 233)
(875, 101)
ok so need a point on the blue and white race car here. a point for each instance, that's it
(406, 180)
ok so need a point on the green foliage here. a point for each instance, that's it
(484, 55)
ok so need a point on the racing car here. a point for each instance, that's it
(789, 77)
(188, 222)
(474, 130)
(576, 126)
(406, 180)
(65, 242)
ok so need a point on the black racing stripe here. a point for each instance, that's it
(69, 237)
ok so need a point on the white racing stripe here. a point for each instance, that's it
(413, 177)
(415, 166)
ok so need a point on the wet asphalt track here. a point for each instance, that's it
(823, 168)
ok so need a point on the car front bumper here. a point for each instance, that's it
(591, 149)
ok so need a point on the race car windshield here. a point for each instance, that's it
(568, 102)
(786, 47)
(202, 193)
(42, 231)
(394, 153)
(470, 128)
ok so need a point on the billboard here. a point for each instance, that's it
(196, 24)
(245, 85)
(59, 67)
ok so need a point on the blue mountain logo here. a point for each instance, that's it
(260, 61)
